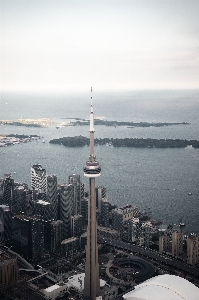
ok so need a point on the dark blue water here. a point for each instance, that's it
(157, 178)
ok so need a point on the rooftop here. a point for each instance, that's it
(164, 287)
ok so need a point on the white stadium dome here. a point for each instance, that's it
(164, 287)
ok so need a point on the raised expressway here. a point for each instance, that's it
(152, 256)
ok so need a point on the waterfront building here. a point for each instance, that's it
(146, 234)
(8, 189)
(38, 179)
(123, 214)
(92, 170)
(104, 215)
(56, 235)
(193, 249)
(6, 219)
(52, 194)
(76, 225)
(75, 181)
(164, 242)
(66, 208)
(134, 229)
(177, 243)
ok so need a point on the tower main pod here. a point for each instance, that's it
(92, 170)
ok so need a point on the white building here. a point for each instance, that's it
(164, 287)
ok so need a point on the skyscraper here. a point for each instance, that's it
(52, 194)
(38, 179)
(66, 208)
(100, 193)
(75, 181)
(92, 170)
(8, 188)
(6, 219)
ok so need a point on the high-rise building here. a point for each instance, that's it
(75, 181)
(134, 230)
(69, 247)
(52, 194)
(104, 215)
(19, 200)
(177, 243)
(66, 208)
(193, 249)
(100, 193)
(1, 233)
(92, 170)
(38, 179)
(84, 210)
(8, 189)
(76, 225)
(1, 190)
(6, 219)
(56, 235)
(43, 209)
(146, 234)
(164, 242)
(28, 237)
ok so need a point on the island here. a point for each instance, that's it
(100, 121)
(44, 122)
(80, 141)
(12, 139)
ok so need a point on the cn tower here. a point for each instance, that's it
(92, 170)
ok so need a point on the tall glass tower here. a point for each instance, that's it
(92, 170)
(38, 178)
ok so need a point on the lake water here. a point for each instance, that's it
(159, 179)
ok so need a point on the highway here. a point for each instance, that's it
(151, 254)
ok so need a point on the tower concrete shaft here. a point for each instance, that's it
(92, 170)
(91, 281)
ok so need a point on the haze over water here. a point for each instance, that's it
(157, 178)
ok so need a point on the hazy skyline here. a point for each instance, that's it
(65, 45)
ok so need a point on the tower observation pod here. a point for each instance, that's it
(92, 170)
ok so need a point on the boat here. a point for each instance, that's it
(182, 224)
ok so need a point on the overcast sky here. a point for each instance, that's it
(54, 45)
